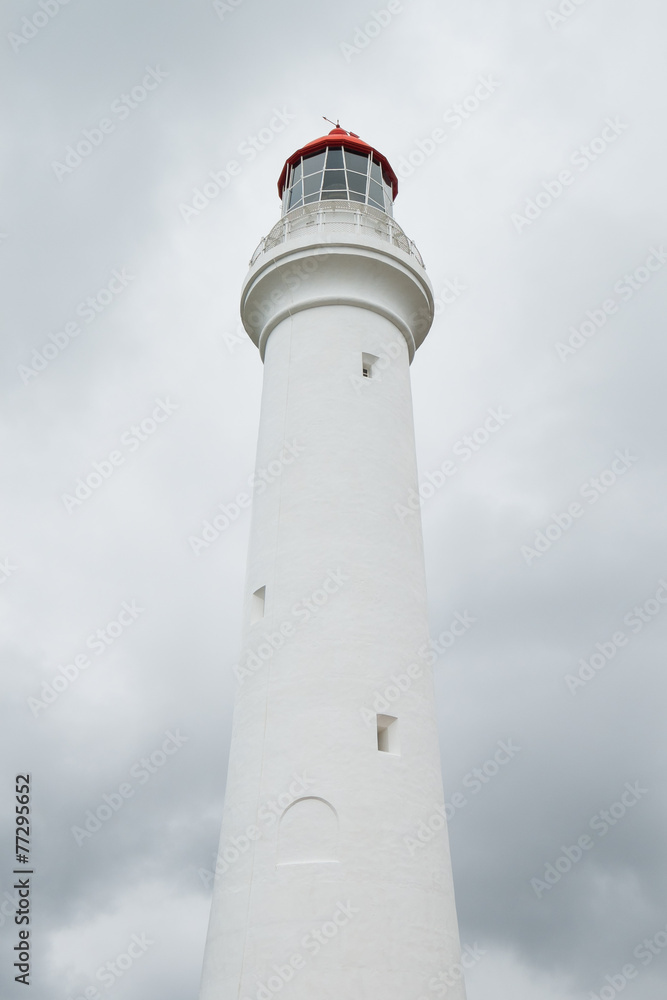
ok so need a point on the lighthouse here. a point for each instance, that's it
(333, 875)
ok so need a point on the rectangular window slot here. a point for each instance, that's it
(257, 605)
(367, 362)
(387, 730)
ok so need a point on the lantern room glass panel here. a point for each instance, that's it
(335, 159)
(338, 174)
(311, 164)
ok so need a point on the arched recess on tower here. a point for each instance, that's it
(308, 832)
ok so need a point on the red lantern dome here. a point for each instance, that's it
(341, 166)
(348, 140)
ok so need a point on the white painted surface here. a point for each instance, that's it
(335, 862)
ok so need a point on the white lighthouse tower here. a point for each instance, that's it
(324, 889)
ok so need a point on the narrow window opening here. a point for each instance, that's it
(387, 730)
(257, 605)
(367, 363)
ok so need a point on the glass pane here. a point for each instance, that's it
(375, 204)
(355, 196)
(312, 184)
(296, 192)
(357, 183)
(334, 179)
(311, 197)
(356, 162)
(376, 171)
(334, 194)
(388, 191)
(295, 204)
(335, 159)
(375, 192)
(296, 173)
(313, 163)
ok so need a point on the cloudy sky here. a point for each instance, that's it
(540, 214)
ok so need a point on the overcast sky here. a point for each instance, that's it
(550, 312)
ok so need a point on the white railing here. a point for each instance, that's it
(327, 219)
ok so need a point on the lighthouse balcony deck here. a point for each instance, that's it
(328, 221)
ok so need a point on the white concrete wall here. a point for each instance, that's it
(326, 531)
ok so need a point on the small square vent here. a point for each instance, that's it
(387, 730)
(257, 605)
